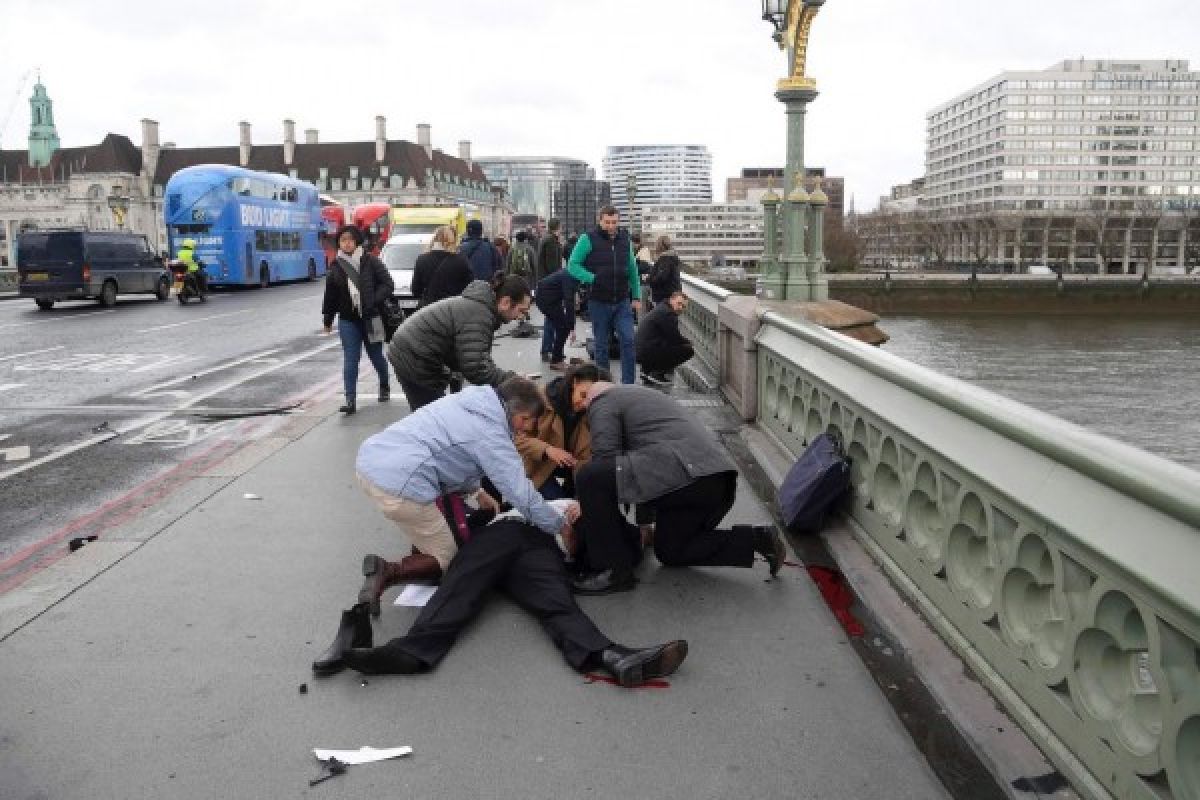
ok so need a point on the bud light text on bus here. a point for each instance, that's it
(250, 228)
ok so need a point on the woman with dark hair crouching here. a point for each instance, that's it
(562, 442)
(356, 289)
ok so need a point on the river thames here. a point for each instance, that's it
(1135, 379)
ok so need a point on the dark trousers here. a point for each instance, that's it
(666, 358)
(561, 322)
(607, 540)
(525, 564)
(419, 395)
(687, 535)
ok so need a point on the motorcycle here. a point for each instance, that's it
(191, 284)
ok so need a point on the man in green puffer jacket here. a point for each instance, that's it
(455, 335)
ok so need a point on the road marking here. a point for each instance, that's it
(142, 423)
(33, 353)
(104, 362)
(4, 387)
(19, 453)
(151, 391)
(57, 320)
(199, 319)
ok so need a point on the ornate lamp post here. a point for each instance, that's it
(799, 273)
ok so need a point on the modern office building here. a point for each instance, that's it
(576, 203)
(753, 183)
(1087, 162)
(552, 188)
(657, 174)
(709, 234)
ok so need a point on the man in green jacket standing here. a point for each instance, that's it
(603, 260)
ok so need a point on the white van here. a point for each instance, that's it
(1040, 269)
(399, 255)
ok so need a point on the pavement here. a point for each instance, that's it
(170, 658)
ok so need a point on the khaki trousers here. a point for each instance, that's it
(422, 522)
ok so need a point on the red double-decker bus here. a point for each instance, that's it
(374, 220)
(333, 216)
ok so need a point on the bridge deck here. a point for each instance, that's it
(175, 672)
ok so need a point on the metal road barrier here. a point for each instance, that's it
(1059, 564)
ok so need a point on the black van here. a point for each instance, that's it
(78, 265)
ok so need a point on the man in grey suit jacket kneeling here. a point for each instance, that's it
(647, 450)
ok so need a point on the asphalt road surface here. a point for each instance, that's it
(104, 410)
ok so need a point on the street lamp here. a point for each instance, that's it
(775, 12)
(797, 273)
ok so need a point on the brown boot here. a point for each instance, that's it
(378, 575)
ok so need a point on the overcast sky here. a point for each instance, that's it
(565, 78)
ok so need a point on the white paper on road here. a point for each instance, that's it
(363, 755)
(415, 595)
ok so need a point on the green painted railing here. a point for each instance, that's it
(1061, 565)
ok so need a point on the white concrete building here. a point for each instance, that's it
(657, 174)
(709, 234)
(1055, 139)
(1088, 165)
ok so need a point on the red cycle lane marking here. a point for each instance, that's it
(34, 557)
(111, 514)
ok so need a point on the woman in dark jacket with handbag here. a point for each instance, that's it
(356, 289)
(663, 278)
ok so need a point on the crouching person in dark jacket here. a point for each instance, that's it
(648, 450)
(660, 346)
(455, 335)
(556, 301)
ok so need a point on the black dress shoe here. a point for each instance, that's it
(632, 667)
(386, 659)
(605, 582)
(353, 631)
(349, 407)
(770, 545)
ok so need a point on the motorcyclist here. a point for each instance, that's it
(195, 269)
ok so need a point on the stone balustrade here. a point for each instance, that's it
(1060, 565)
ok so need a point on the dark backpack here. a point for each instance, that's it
(814, 485)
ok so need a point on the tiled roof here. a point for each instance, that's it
(402, 158)
(114, 154)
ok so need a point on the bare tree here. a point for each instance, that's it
(981, 233)
(1102, 220)
(1150, 213)
(933, 234)
(843, 247)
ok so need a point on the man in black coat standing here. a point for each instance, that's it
(648, 450)
(660, 345)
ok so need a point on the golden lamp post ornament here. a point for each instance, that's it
(793, 21)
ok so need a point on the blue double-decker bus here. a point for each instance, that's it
(250, 228)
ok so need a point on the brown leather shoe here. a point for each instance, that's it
(378, 575)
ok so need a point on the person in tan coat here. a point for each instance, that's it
(562, 442)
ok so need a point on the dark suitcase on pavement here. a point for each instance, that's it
(814, 485)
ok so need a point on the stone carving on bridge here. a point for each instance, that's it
(1111, 671)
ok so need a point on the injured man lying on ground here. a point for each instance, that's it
(524, 563)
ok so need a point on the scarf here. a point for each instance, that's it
(350, 265)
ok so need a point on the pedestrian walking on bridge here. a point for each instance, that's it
(356, 289)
